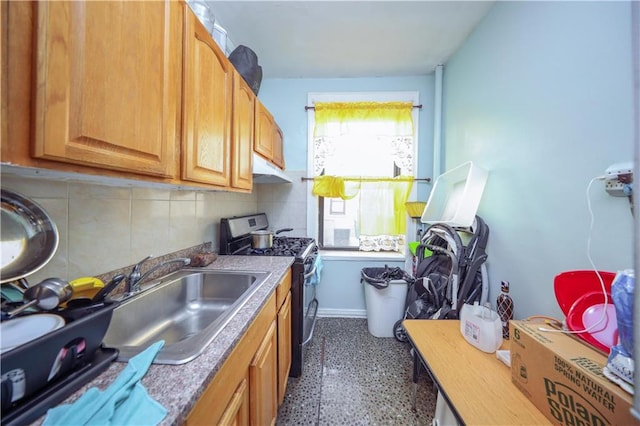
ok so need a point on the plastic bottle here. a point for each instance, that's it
(481, 327)
(504, 306)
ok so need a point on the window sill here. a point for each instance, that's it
(361, 255)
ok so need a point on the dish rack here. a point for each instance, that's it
(44, 371)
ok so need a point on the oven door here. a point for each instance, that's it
(310, 302)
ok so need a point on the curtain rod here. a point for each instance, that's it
(364, 179)
(307, 107)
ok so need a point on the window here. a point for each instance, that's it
(374, 162)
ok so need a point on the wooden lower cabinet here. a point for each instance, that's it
(250, 384)
(284, 346)
(237, 412)
(218, 398)
(283, 303)
(263, 381)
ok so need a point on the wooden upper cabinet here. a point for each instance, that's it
(278, 146)
(206, 107)
(242, 134)
(263, 143)
(268, 136)
(108, 84)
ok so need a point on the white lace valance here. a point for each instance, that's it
(382, 242)
(327, 152)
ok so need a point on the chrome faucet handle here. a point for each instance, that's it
(135, 274)
(137, 266)
(134, 283)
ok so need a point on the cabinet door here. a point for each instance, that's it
(284, 347)
(278, 148)
(252, 361)
(263, 143)
(237, 411)
(108, 84)
(206, 107)
(263, 381)
(242, 136)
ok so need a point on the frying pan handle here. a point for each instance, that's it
(284, 230)
(104, 291)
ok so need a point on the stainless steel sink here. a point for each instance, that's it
(186, 309)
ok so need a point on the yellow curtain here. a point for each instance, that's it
(335, 187)
(382, 200)
(332, 118)
(382, 209)
(381, 218)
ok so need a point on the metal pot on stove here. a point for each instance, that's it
(263, 239)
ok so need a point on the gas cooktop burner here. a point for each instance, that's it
(235, 238)
(285, 246)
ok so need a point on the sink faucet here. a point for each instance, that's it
(136, 278)
(134, 275)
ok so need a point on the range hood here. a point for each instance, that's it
(265, 172)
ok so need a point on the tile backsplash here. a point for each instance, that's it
(103, 228)
(286, 204)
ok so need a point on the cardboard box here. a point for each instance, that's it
(563, 378)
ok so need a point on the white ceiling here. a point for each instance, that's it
(331, 39)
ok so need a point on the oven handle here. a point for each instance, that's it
(310, 274)
(313, 322)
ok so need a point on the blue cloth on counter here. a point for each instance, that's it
(315, 278)
(124, 402)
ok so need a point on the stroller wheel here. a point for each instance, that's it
(399, 333)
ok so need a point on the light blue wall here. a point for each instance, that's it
(540, 94)
(340, 292)
(286, 98)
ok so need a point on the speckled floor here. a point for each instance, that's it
(353, 378)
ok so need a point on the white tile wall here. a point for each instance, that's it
(285, 204)
(103, 228)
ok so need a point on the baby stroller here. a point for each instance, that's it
(452, 275)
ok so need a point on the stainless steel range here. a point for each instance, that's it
(235, 238)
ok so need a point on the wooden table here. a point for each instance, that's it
(476, 385)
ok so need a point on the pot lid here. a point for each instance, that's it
(29, 237)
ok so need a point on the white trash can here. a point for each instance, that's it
(385, 306)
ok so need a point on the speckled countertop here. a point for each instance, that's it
(178, 387)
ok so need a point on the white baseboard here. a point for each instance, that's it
(342, 313)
